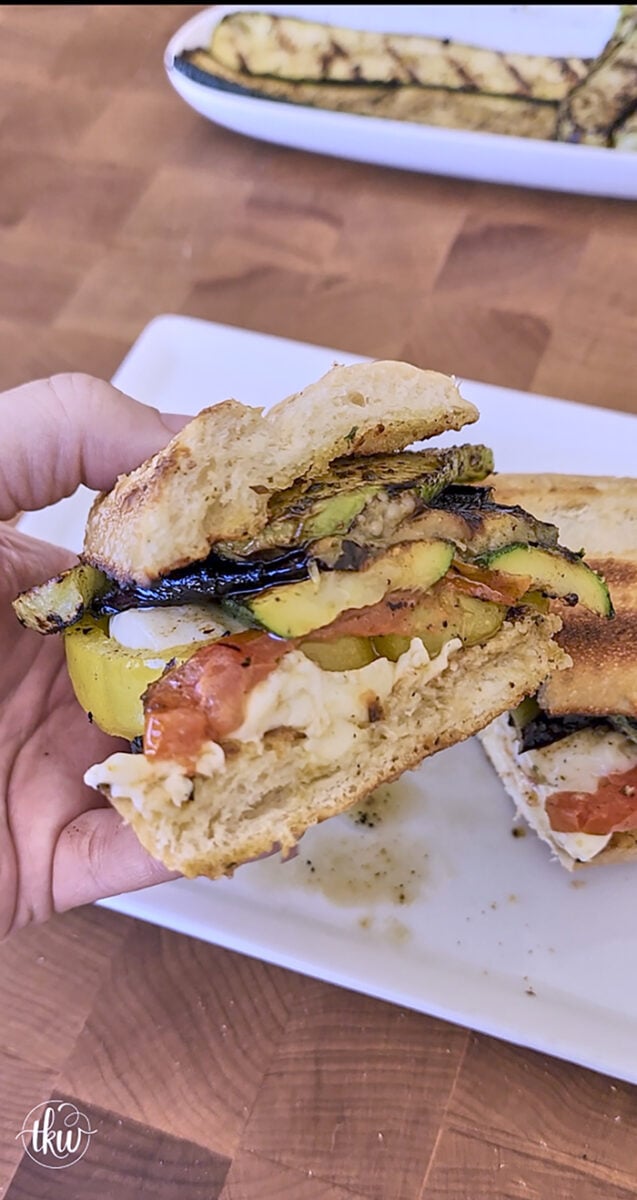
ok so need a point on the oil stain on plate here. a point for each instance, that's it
(367, 857)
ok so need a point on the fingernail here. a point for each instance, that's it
(174, 421)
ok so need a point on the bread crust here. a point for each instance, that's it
(278, 793)
(212, 482)
(597, 512)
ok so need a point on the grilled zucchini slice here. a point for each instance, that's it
(299, 608)
(287, 47)
(557, 573)
(52, 606)
(438, 619)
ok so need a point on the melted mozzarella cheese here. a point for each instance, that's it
(577, 762)
(147, 781)
(330, 707)
(175, 625)
(582, 846)
(573, 764)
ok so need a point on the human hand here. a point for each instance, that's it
(62, 844)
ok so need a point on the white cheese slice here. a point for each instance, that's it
(581, 846)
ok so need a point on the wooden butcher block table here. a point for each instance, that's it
(207, 1074)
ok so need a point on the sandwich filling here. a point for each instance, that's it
(576, 786)
(382, 565)
(328, 711)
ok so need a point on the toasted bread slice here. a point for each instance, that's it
(595, 512)
(599, 514)
(265, 795)
(213, 481)
(603, 678)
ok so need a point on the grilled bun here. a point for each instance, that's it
(214, 480)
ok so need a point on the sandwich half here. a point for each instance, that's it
(282, 610)
(568, 756)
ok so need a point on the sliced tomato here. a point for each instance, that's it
(204, 698)
(392, 614)
(488, 585)
(612, 808)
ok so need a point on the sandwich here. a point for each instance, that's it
(427, 80)
(282, 610)
(568, 755)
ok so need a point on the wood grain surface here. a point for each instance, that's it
(208, 1074)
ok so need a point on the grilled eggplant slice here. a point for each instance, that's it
(540, 729)
(537, 728)
(468, 517)
(374, 494)
(61, 602)
(289, 48)
(409, 102)
(213, 578)
(464, 515)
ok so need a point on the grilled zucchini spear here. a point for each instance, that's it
(625, 133)
(608, 94)
(514, 115)
(61, 601)
(305, 51)
(427, 80)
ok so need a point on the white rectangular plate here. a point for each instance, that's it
(556, 29)
(490, 933)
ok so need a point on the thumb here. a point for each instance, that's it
(57, 433)
(97, 855)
